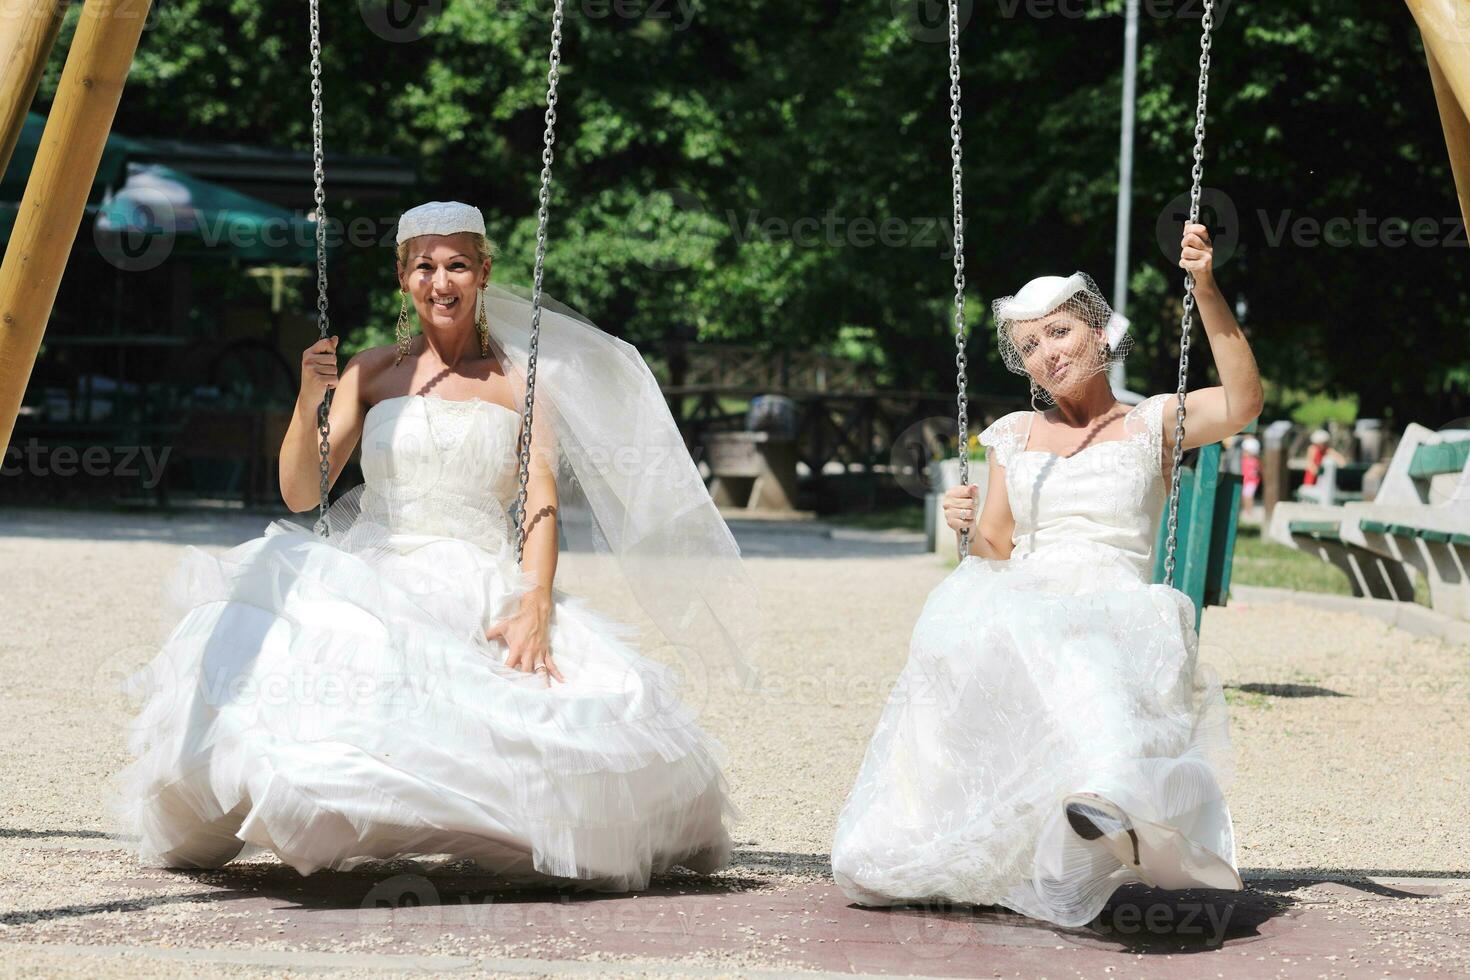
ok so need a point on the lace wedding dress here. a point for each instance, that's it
(1061, 670)
(335, 700)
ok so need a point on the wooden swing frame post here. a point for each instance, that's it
(66, 165)
(27, 35)
(1446, 37)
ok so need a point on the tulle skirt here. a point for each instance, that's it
(334, 701)
(1027, 680)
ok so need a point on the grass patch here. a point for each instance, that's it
(1246, 699)
(1261, 561)
(903, 517)
(727, 405)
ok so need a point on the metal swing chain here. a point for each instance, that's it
(552, 74)
(323, 426)
(956, 172)
(1187, 321)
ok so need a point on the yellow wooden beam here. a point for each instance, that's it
(56, 193)
(27, 32)
(1456, 133)
(1445, 27)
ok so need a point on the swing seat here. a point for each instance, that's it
(1209, 515)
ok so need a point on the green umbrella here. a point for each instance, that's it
(146, 212)
(109, 169)
(194, 216)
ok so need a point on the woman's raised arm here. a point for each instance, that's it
(1224, 409)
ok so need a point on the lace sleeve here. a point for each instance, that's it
(1002, 436)
(1150, 412)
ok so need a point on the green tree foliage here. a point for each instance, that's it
(778, 173)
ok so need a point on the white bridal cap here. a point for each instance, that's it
(1045, 293)
(440, 218)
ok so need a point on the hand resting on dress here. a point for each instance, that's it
(526, 634)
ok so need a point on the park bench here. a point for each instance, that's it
(1328, 489)
(1419, 522)
(1209, 517)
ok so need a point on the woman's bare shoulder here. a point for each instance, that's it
(370, 364)
(374, 358)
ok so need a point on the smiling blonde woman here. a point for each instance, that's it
(403, 686)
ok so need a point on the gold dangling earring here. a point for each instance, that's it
(403, 333)
(1034, 389)
(482, 323)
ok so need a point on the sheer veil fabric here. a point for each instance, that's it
(626, 483)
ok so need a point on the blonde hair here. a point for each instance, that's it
(484, 249)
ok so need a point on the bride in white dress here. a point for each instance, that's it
(402, 687)
(1052, 735)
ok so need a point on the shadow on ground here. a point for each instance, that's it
(1288, 690)
(1140, 920)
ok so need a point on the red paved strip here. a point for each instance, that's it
(1262, 931)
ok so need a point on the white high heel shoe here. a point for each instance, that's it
(1160, 855)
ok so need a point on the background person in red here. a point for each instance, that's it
(1250, 473)
(1318, 453)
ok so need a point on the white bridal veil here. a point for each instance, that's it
(626, 484)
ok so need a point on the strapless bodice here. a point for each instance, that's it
(440, 467)
(1103, 502)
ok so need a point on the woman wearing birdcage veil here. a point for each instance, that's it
(412, 684)
(1053, 735)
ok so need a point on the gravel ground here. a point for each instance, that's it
(1353, 739)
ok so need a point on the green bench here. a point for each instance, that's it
(1407, 531)
(1330, 531)
(1319, 530)
(1419, 523)
(1330, 480)
(1209, 517)
(1445, 457)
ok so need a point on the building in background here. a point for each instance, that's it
(180, 319)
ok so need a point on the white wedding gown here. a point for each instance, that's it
(335, 700)
(1059, 670)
